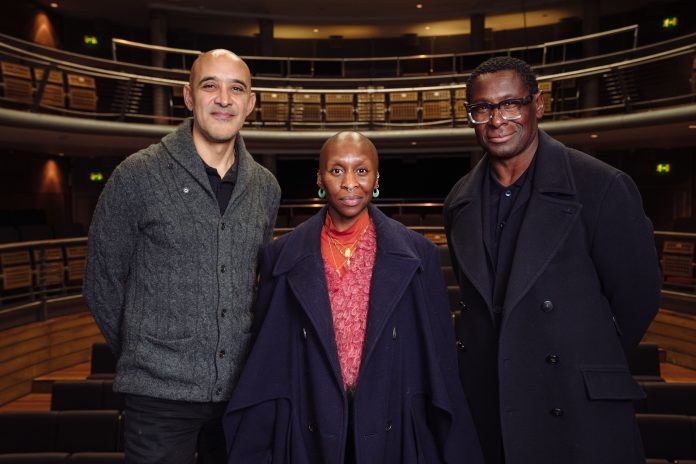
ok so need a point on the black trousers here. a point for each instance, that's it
(161, 431)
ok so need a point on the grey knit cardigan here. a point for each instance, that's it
(169, 280)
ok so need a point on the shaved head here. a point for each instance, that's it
(348, 138)
(217, 53)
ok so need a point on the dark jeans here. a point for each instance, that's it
(170, 432)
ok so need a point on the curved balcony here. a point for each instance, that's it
(80, 104)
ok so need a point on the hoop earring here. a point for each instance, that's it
(375, 192)
(321, 193)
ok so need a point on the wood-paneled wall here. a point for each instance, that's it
(33, 350)
(676, 334)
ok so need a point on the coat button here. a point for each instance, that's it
(461, 346)
(556, 412)
(312, 426)
(388, 427)
(553, 359)
(547, 306)
(304, 333)
(463, 305)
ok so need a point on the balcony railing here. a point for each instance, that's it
(37, 278)
(617, 40)
(40, 80)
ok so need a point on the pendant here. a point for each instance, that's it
(347, 253)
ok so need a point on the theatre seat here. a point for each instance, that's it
(27, 432)
(667, 436)
(75, 395)
(644, 363)
(103, 362)
(670, 398)
(80, 431)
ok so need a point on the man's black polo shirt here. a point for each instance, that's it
(503, 213)
(222, 186)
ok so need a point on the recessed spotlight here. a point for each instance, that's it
(692, 126)
(419, 5)
(54, 5)
(427, 28)
(594, 136)
(315, 30)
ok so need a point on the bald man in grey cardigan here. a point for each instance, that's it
(171, 269)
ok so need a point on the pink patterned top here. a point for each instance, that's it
(350, 298)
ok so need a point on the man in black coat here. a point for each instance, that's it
(559, 280)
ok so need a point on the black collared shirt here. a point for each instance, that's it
(222, 186)
(506, 207)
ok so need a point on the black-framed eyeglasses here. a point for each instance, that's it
(511, 109)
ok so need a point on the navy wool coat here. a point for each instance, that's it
(290, 405)
(584, 285)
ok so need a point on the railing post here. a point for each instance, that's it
(41, 280)
(40, 89)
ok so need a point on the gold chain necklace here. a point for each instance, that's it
(347, 251)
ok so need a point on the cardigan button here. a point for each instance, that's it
(388, 427)
(547, 306)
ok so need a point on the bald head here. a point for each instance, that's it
(215, 55)
(348, 141)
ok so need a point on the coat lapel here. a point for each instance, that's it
(395, 264)
(552, 210)
(302, 262)
(466, 233)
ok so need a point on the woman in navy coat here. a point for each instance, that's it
(327, 383)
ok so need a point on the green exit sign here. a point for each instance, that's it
(663, 168)
(90, 40)
(669, 23)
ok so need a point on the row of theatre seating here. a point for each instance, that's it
(86, 418)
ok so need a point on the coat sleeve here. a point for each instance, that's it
(111, 243)
(623, 250)
(462, 444)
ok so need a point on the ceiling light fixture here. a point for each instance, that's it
(692, 126)
(54, 5)
(315, 30)
(419, 5)
(594, 136)
(427, 28)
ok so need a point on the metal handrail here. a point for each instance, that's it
(396, 59)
